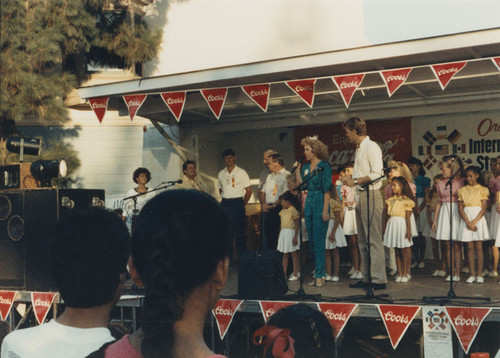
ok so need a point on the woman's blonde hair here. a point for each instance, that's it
(403, 170)
(319, 148)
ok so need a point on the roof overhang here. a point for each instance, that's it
(478, 82)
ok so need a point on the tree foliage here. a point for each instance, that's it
(45, 43)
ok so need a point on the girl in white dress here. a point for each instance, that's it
(288, 242)
(349, 225)
(472, 205)
(398, 233)
(438, 256)
(448, 206)
(335, 237)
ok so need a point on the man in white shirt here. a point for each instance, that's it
(235, 190)
(274, 186)
(89, 258)
(368, 166)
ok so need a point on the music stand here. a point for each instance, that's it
(451, 294)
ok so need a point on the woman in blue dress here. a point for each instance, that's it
(316, 175)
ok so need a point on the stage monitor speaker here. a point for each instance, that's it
(27, 222)
(260, 275)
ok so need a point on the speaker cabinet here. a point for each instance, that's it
(27, 222)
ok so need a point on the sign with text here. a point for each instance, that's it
(466, 322)
(445, 72)
(175, 102)
(271, 307)
(393, 136)
(99, 106)
(134, 102)
(394, 79)
(224, 312)
(347, 85)
(474, 136)
(42, 301)
(6, 302)
(437, 332)
(215, 97)
(259, 94)
(337, 314)
(305, 89)
(397, 319)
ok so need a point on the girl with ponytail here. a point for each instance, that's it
(179, 251)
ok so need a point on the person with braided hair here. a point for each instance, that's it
(179, 255)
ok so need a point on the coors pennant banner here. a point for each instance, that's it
(393, 136)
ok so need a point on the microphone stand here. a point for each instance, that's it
(135, 212)
(301, 295)
(369, 285)
(451, 294)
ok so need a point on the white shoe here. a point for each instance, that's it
(414, 264)
(471, 279)
(479, 279)
(398, 278)
(436, 273)
(485, 273)
(404, 279)
(312, 283)
(448, 279)
(328, 278)
(421, 265)
(356, 276)
(409, 277)
(442, 273)
(292, 277)
(493, 274)
(335, 278)
(465, 269)
(351, 271)
(456, 278)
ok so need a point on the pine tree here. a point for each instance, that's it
(46, 46)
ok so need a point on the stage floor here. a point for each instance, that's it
(422, 284)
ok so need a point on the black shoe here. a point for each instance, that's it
(359, 284)
(378, 286)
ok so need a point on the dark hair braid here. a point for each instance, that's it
(179, 239)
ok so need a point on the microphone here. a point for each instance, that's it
(387, 170)
(295, 168)
(463, 160)
(175, 181)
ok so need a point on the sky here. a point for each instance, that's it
(201, 34)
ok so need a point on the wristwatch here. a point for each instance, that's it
(355, 181)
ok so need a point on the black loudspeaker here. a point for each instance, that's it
(260, 275)
(27, 222)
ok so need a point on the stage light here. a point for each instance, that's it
(23, 145)
(44, 170)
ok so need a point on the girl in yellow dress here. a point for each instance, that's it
(335, 237)
(288, 242)
(398, 229)
(472, 205)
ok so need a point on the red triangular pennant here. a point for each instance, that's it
(305, 89)
(215, 97)
(496, 61)
(466, 322)
(42, 301)
(224, 312)
(444, 73)
(259, 94)
(6, 302)
(338, 314)
(134, 102)
(397, 319)
(99, 106)
(347, 85)
(271, 307)
(175, 102)
(394, 79)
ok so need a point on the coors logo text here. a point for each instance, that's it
(391, 317)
